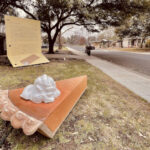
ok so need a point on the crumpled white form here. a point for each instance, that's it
(43, 90)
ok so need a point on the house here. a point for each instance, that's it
(130, 43)
(96, 44)
(104, 43)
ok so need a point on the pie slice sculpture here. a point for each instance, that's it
(45, 118)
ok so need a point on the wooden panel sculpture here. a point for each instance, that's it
(23, 39)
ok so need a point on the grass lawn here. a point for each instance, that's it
(107, 117)
(63, 50)
(131, 49)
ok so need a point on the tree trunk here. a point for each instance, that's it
(51, 41)
(51, 45)
(142, 42)
(121, 43)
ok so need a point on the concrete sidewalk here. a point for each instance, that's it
(138, 84)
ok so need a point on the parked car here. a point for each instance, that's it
(44, 46)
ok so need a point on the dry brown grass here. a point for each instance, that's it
(64, 49)
(131, 49)
(107, 117)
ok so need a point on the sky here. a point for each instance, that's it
(78, 30)
(67, 34)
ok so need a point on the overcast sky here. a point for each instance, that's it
(75, 29)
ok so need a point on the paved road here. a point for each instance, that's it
(133, 61)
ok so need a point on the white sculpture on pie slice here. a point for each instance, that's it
(43, 90)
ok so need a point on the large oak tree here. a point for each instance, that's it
(92, 14)
(137, 27)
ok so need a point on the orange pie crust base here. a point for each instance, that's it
(46, 118)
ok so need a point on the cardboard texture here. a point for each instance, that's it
(23, 40)
(52, 114)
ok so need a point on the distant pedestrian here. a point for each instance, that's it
(88, 49)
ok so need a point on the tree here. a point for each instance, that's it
(137, 24)
(5, 8)
(137, 27)
(140, 27)
(77, 39)
(61, 39)
(122, 32)
(6, 4)
(54, 15)
(82, 40)
(108, 34)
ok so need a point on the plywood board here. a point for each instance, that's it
(23, 39)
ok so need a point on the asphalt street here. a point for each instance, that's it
(137, 62)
